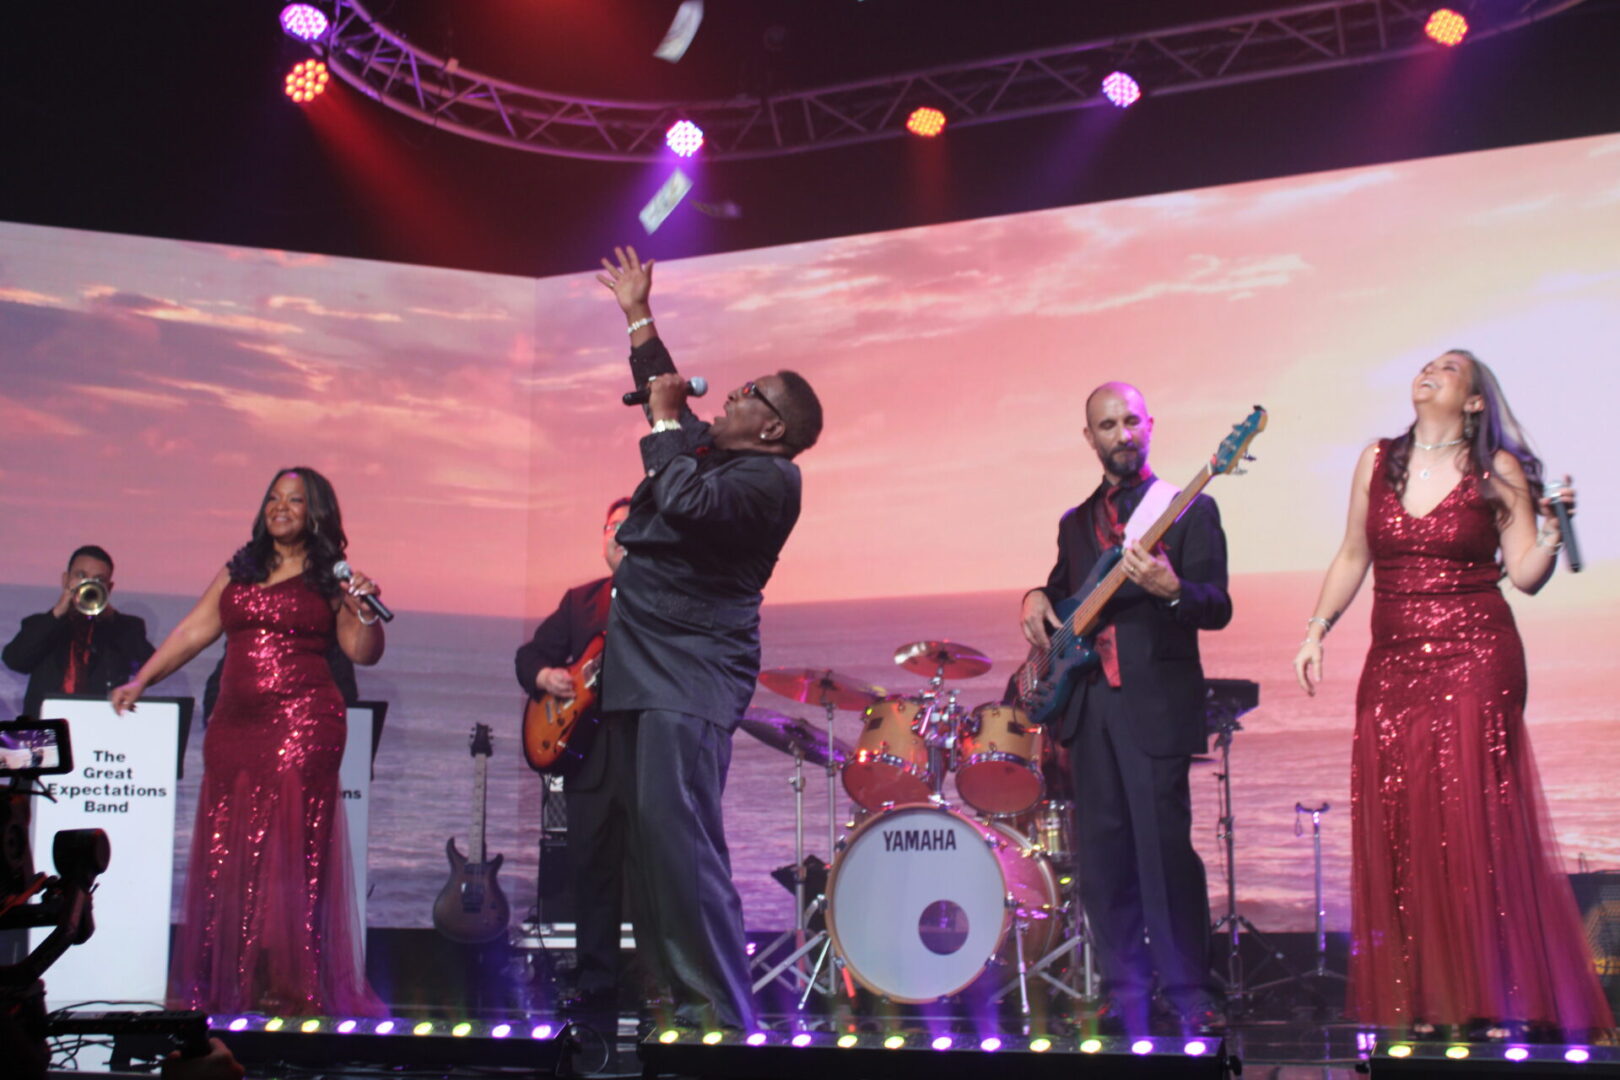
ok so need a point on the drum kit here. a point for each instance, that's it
(926, 897)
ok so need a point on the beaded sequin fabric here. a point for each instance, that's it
(269, 922)
(1460, 908)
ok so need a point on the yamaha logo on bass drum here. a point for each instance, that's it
(919, 840)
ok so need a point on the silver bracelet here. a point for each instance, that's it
(638, 324)
(360, 613)
(1326, 624)
(1541, 542)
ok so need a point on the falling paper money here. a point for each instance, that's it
(681, 32)
(663, 204)
(726, 209)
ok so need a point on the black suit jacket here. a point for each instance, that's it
(1161, 674)
(702, 537)
(558, 641)
(40, 651)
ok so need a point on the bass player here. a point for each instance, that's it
(1134, 721)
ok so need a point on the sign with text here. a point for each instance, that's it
(123, 783)
(354, 778)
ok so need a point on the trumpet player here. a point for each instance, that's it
(82, 645)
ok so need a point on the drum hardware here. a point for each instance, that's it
(1321, 970)
(833, 692)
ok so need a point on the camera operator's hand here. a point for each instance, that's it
(218, 1064)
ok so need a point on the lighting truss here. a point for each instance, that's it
(1267, 44)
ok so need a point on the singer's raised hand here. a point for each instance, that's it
(629, 279)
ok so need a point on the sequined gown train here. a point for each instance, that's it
(1460, 907)
(269, 922)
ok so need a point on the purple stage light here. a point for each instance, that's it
(500, 1031)
(384, 1028)
(239, 1024)
(802, 1039)
(1195, 1048)
(941, 1042)
(540, 1031)
(347, 1026)
(756, 1039)
(684, 137)
(1141, 1046)
(1516, 1053)
(303, 21)
(1577, 1054)
(1121, 89)
(990, 1045)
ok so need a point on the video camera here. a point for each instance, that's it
(30, 749)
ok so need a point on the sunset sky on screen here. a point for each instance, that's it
(472, 426)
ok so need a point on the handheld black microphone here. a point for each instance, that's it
(697, 386)
(342, 572)
(1572, 550)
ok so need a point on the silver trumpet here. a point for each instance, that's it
(90, 597)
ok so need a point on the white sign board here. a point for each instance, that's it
(123, 782)
(354, 779)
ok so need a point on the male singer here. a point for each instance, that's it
(1134, 723)
(706, 525)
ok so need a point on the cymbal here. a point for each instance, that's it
(792, 736)
(927, 658)
(820, 687)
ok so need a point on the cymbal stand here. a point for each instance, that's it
(820, 939)
(1238, 994)
(938, 729)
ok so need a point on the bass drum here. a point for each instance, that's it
(921, 899)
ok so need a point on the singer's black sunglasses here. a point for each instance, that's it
(753, 391)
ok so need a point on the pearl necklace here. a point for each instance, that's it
(1426, 473)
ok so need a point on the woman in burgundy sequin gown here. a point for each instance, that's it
(1461, 913)
(269, 922)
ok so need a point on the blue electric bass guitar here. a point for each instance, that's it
(1048, 676)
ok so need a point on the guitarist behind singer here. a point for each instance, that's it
(1133, 724)
(598, 822)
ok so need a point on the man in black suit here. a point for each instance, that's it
(598, 796)
(64, 652)
(705, 528)
(1133, 724)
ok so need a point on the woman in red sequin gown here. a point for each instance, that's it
(269, 921)
(1461, 913)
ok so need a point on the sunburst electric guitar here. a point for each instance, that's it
(556, 730)
(471, 908)
(1048, 676)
